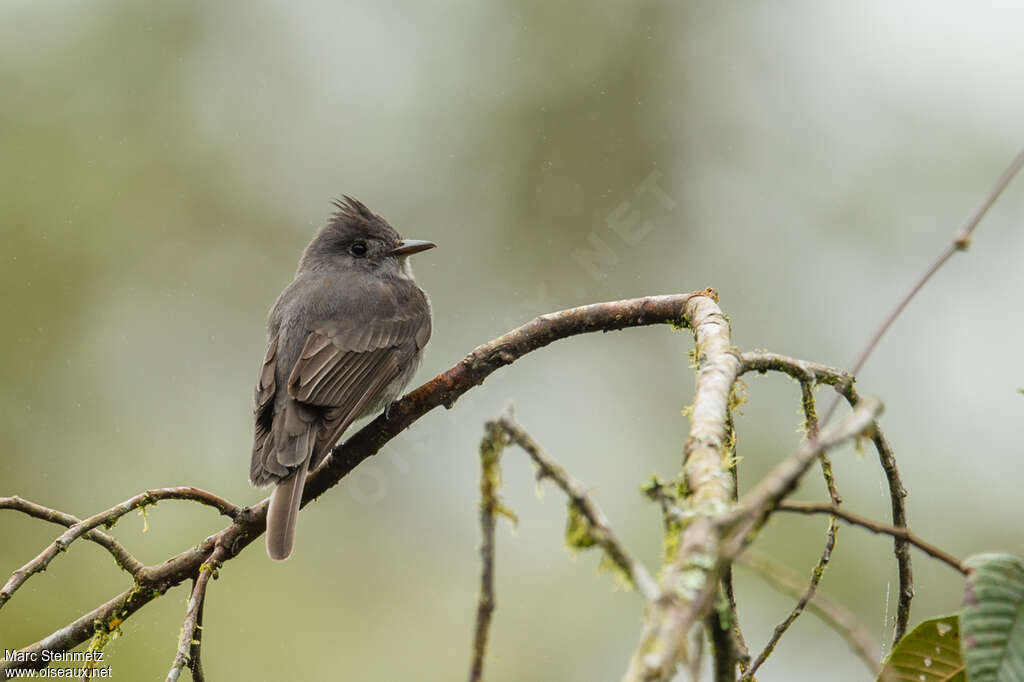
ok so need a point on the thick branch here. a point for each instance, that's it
(444, 389)
(690, 577)
(735, 528)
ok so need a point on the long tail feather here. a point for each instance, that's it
(284, 512)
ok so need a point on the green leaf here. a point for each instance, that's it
(930, 653)
(993, 618)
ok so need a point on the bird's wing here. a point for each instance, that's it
(345, 366)
(266, 386)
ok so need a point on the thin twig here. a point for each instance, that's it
(108, 518)
(811, 427)
(490, 479)
(443, 389)
(897, 502)
(875, 527)
(188, 645)
(123, 558)
(500, 433)
(763, 498)
(598, 527)
(762, 361)
(834, 614)
(195, 660)
(960, 243)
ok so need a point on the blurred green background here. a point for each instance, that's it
(165, 163)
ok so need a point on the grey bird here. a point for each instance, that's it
(343, 340)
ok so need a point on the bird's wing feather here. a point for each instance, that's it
(345, 366)
(266, 387)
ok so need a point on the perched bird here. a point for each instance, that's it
(343, 340)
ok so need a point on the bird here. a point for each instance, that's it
(344, 339)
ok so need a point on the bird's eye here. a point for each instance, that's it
(358, 249)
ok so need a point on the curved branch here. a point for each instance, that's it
(811, 426)
(599, 527)
(108, 518)
(123, 558)
(762, 361)
(443, 389)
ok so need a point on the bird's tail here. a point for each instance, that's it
(284, 512)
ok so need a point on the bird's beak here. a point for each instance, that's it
(407, 247)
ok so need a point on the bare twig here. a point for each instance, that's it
(506, 431)
(188, 645)
(811, 425)
(195, 661)
(832, 612)
(762, 361)
(782, 479)
(490, 480)
(960, 243)
(120, 554)
(897, 502)
(443, 389)
(108, 518)
(598, 528)
(875, 527)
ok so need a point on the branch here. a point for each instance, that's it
(875, 527)
(960, 243)
(782, 479)
(729, 648)
(835, 615)
(690, 576)
(444, 389)
(506, 431)
(811, 425)
(762, 361)
(120, 554)
(598, 528)
(188, 645)
(108, 518)
(490, 480)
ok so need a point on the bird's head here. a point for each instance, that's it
(356, 238)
